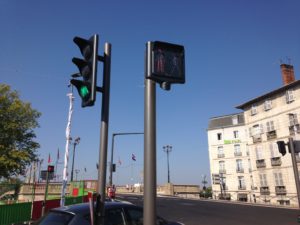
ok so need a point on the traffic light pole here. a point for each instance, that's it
(149, 148)
(295, 168)
(104, 134)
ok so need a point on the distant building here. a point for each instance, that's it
(267, 176)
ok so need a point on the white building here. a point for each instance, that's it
(267, 119)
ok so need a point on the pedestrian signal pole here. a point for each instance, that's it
(164, 65)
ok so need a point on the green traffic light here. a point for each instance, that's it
(84, 91)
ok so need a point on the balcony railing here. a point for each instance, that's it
(240, 170)
(256, 138)
(221, 155)
(260, 163)
(264, 191)
(243, 187)
(276, 161)
(222, 171)
(237, 153)
(280, 190)
(271, 134)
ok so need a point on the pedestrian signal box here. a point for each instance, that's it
(166, 63)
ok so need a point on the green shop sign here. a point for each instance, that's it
(226, 142)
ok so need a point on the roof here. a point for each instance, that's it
(84, 208)
(225, 121)
(268, 95)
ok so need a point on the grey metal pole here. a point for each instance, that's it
(149, 149)
(295, 168)
(112, 152)
(104, 132)
(111, 160)
(72, 170)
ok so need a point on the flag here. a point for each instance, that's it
(133, 157)
(57, 158)
(49, 158)
(84, 169)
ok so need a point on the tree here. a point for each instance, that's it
(17, 123)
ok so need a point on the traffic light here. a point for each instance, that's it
(87, 70)
(281, 147)
(167, 63)
(50, 169)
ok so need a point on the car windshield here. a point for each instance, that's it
(56, 218)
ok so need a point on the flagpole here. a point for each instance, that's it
(68, 140)
(57, 158)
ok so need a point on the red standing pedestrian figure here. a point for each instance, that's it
(160, 62)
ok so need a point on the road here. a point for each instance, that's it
(201, 212)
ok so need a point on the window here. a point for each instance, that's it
(249, 165)
(241, 182)
(278, 179)
(219, 136)
(135, 216)
(293, 119)
(259, 152)
(235, 120)
(221, 166)
(239, 165)
(268, 105)
(263, 180)
(253, 110)
(257, 130)
(273, 150)
(270, 126)
(289, 97)
(236, 134)
(115, 217)
(220, 152)
(237, 150)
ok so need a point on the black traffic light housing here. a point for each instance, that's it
(50, 169)
(281, 147)
(167, 63)
(87, 66)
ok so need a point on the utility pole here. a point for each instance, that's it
(168, 149)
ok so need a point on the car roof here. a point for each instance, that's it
(83, 208)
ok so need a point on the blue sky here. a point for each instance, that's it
(233, 52)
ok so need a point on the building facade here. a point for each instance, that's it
(268, 118)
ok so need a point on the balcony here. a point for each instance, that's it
(256, 138)
(242, 187)
(240, 170)
(280, 190)
(221, 155)
(260, 163)
(221, 171)
(237, 153)
(264, 190)
(271, 135)
(276, 161)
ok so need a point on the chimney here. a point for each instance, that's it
(287, 73)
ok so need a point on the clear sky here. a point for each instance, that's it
(233, 52)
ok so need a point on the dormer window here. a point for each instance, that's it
(289, 96)
(253, 110)
(268, 105)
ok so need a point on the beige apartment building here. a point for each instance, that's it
(260, 173)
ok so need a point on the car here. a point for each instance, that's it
(116, 213)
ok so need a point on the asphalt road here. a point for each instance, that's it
(201, 212)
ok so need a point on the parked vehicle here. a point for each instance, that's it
(116, 213)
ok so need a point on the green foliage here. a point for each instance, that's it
(17, 123)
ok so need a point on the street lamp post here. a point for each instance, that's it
(112, 153)
(76, 142)
(168, 149)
